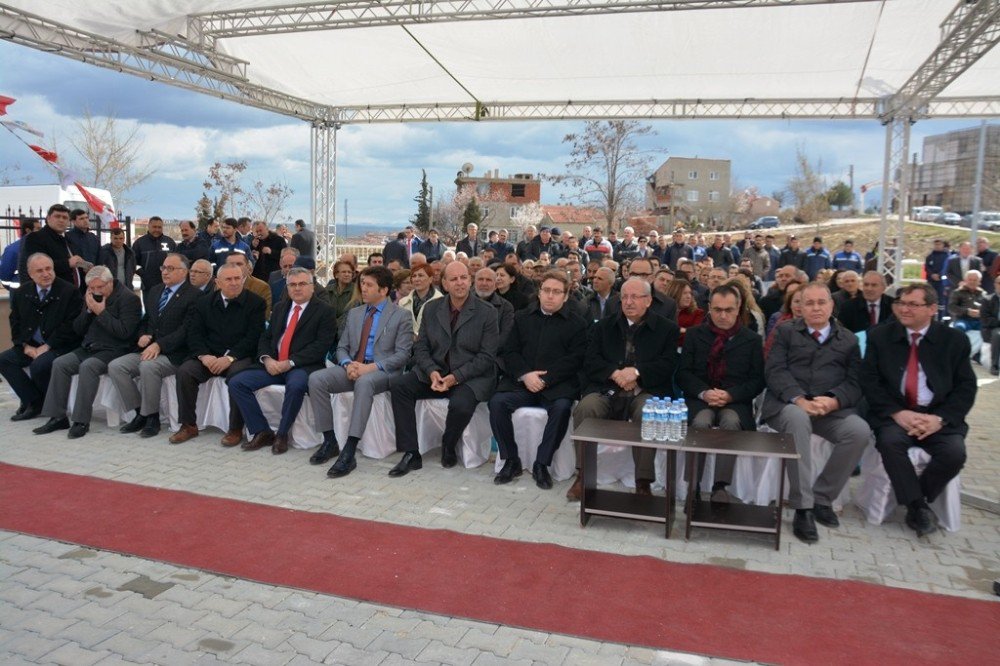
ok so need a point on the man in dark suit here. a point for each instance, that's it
(869, 308)
(82, 241)
(961, 264)
(162, 347)
(304, 240)
(454, 357)
(150, 250)
(661, 304)
(193, 246)
(470, 245)
(266, 246)
(41, 328)
(222, 339)
(603, 300)
(813, 387)
(395, 250)
(374, 347)
(432, 248)
(295, 344)
(108, 323)
(920, 386)
(118, 257)
(200, 276)
(51, 240)
(631, 357)
(542, 358)
(721, 372)
(989, 317)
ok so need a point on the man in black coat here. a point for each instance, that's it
(661, 304)
(721, 372)
(51, 240)
(266, 246)
(395, 250)
(82, 241)
(108, 323)
(544, 242)
(602, 301)
(119, 258)
(150, 251)
(869, 308)
(193, 246)
(41, 328)
(162, 346)
(721, 255)
(631, 357)
(470, 245)
(222, 340)
(431, 247)
(301, 332)
(792, 255)
(920, 386)
(542, 358)
(304, 240)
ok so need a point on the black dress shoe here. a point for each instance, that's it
(825, 515)
(52, 425)
(540, 473)
(78, 430)
(921, 521)
(804, 527)
(135, 425)
(326, 451)
(345, 465)
(152, 427)
(448, 457)
(411, 461)
(511, 469)
(27, 412)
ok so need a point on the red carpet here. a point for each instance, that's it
(637, 600)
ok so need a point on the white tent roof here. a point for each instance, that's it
(371, 61)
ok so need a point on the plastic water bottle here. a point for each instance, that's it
(675, 421)
(662, 423)
(683, 419)
(648, 431)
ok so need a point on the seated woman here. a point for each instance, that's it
(792, 309)
(689, 314)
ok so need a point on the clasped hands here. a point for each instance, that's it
(356, 370)
(150, 349)
(717, 397)
(627, 379)
(916, 424)
(533, 380)
(442, 384)
(818, 406)
(215, 364)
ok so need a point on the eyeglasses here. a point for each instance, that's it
(909, 305)
(634, 297)
(171, 269)
(552, 292)
(642, 275)
(723, 311)
(296, 285)
(197, 271)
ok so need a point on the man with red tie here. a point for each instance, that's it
(920, 385)
(301, 331)
(869, 308)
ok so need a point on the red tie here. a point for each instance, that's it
(816, 335)
(286, 339)
(366, 331)
(872, 317)
(912, 372)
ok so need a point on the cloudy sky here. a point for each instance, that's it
(183, 133)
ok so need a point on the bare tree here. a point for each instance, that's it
(109, 155)
(226, 180)
(264, 202)
(10, 174)
(807, 187)
(606, 167)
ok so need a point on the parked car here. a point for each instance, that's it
(951, 219)
(927, 213)
(766, 222)
(989, 220)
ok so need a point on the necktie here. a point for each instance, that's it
(164, 297)
(366, 331)
(286, 339)
(816, 335)
(42, 295)
(872, 317)
(912, 372)
(76, 271)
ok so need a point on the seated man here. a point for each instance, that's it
(222, 339)
(162, 344)
(812, 387)
(42, 311)
(631, 357)
(721, 372)
(454, 357)
(964, 305)
(252, 284)
(920, 386)
(374, 347)
(108, 323)
(989, 318)
(200, 275)
(292, 347)
(868, 309)
(542, 358)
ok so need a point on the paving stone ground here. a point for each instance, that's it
(63, 604)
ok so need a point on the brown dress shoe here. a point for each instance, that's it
(232, 438)
(187, 431)
(280, 444)
(643, 487)
(575, 492)
(259, 441)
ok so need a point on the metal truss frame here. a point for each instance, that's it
(895, 179)
(323, 185)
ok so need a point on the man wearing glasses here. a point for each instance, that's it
(200, 276)
(162, 347)
(661, 304)
(920, 385)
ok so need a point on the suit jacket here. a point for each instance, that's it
(612, 306)
(395, 250)
(470, 248)
(312, 338)
(469, 352)
(113, 332)
(655, 353)
(48, 242)
(545, 342)
(854, 313)
(305, 242)
(433, 251)
(505, 316)
(263, 290)
(195, 249)
(234, 330)
(107, 257)
(798, 366)
(944, 357)
(953, 271)
(55, 315)
(989, 315)
(744, 378)
(393, 338)
(169, 328)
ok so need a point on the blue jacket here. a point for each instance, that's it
(8, 263)
(221, 248)
(817, 260)
(848, 261)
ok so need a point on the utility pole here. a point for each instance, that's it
(430, 208)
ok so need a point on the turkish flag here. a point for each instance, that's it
(47, 155)
(4, 103)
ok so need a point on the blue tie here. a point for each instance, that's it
(163, 299)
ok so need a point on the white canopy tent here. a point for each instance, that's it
(371, 61)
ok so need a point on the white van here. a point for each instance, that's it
(927, 213)
(34, 200)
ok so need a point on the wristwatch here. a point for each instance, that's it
(232, 359)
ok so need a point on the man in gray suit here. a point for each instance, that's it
(374, 347)
(812, 387)
(454, 357)
(108, 323)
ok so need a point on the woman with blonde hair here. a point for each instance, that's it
(422, 278)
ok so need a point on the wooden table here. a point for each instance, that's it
(729, 516)
(595, 502)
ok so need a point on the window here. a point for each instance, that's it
(713, 175)
(692, 175)
(692, 195)
(517, 190)
(486, 211)
(713, 196)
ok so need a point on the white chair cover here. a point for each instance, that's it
(211, 409)
(303, 434)
(615, 464)
(106, 402)
(877, 500)
(529, 423)
(379, 439)
(476, 440)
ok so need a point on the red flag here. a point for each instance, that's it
(4, 103)
(103, 210)
(47, 155)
